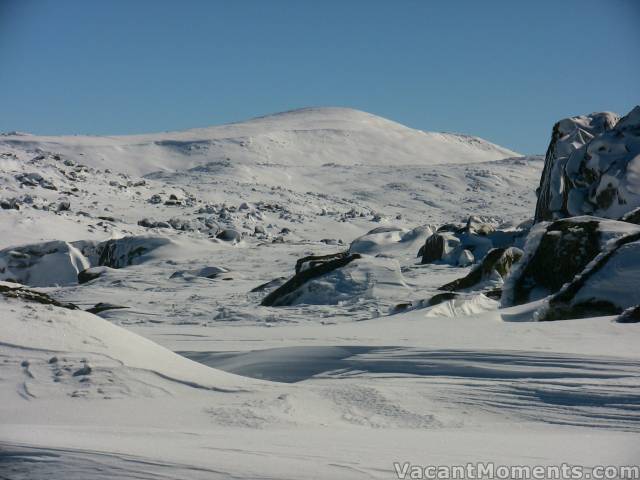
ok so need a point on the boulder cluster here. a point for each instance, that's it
(582, 253)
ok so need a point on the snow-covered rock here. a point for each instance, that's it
(391, 241)
(440, 246)
(339, 279)
(607, 286)
(463, 245)
(592, 167)
(125, 251)
(555, 253)
(42, 264)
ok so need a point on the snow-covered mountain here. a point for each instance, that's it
(299, 138)
(311, 294)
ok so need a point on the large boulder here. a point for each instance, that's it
(310, 262)
(439, 247)
(42, 264)
(67, 263)
(391, 241)
(342, 280)
(307, 269)
(555, 253)
(125, 251)
(592, 167)
(467, 244)
(607, 286)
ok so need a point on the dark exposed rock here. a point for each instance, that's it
(479, 227)
(565, 249)
(437, 246)
(632, 217)
(450, 227)
(401, 307)
(33, 180)
(229, 235)
(103, 306)
(588, 296)
(270, 285)
(10, 204)
(305, 274)
(122, 252)
(147, 223)
(630, 315)
(312, 261)
(498, 261)
(91, 274)
(441, 297)
(85, 370)
(494, 293)
(29, 295)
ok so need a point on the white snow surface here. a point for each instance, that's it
(194, 379)
(299, 138)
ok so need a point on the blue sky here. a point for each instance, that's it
(503, 70)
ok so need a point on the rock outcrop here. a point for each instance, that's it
(307, 269)
(607, 286)
(463, 245)
(42, 264)
(592, 167)
(125, 251)
(492, 271)
(558, 253)
(342, 279)
(28, 295)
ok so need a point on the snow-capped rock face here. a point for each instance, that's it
(122, 252)
(600, 288)
(558, 253)
(65, 263)
(592, 167)
(391, 241)
(42, 264)
(338, 279)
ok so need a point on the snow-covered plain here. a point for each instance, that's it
(193, 378)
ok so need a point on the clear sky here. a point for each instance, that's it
(503, 70)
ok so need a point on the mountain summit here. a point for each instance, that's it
(303, 137)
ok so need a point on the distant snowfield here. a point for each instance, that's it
(194, 379)
(300, 138)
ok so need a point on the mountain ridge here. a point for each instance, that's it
(310, 136)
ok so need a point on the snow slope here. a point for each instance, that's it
(306, 137)
(190, 377)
